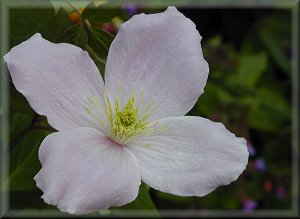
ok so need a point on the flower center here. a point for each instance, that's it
(126, 117)
(127, 122)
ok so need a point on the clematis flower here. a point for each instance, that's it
(132, 128)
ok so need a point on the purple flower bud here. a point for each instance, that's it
(259, 165)
(281, 192)
(131, 8)
(251, 149)
(249, 204)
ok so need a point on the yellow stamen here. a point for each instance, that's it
(130, 121)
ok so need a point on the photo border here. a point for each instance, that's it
(293, 5)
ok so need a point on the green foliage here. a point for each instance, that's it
(100, 40)
(250, 69)
(61, 22)
(275, 35)
(89, 35)
(249, 91)
(24, 22)
(21, 177)
(76, 35)
(101, 14)
(142, 202)
(269, 111)
(18, 102)
(18, 123)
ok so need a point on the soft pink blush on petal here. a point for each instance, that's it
(192, 157)
(57, 79)
(157, 57)
(84, 171)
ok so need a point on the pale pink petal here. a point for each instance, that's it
(157, 57)
(84, 171)
(192, 157)
(58, 80)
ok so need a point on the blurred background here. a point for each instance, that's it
(249, 90)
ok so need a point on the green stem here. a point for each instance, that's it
(34, 125)
(46, 128)
(90, 50)
(74, 8)
(23, 133)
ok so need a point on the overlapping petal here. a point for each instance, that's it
(192, 157)
(83, 171)
(158, 57)
(59, 80)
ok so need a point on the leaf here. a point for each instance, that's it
(19, 128)
(207, 103)
(104, 36)
(17, 102)
(19, 121)
(215, 41)
(76, 35)
(98, 46)
(25, 22)
(24, 200)
(100, 41)
(250, 69)
(101, 14)
(174, 199)
(21, 178)
(63, 22)
(276, 53)
(68, 6)
(275, 34)
(230, 199)
(210, 101)
(269, 111)
(142, 202)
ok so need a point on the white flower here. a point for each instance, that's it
(112, 136)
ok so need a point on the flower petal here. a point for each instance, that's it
(158, 56)
(57, 80)
(192, 156)
(84, 171)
